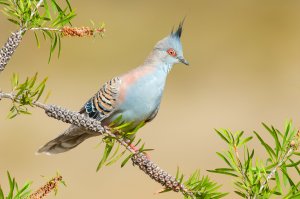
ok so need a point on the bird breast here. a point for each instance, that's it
(140, 94)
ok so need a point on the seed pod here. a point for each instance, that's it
(75, 118)
(9, 48)
(156, 173)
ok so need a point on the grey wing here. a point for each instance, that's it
(99, 107)
(153, 115)
(104, 102)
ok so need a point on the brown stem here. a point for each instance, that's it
(240, 167)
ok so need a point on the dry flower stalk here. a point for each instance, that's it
(81, 32)
(46, 189)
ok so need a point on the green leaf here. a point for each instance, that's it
(240, 194)
(12, 184)
(222, 136)
(286, 177)
(32, 81)
(126, 160)
(244, 141)
(40, 92)
(47, 11)
(14, 81)
(107, 150)
(225, 159)
(69, 5)
(223, 171)
(266, 146)
(238, 137)
(294, 164)
(273, 133)
(54, 43)
(47, 96)
(22, 191)
(116, 158)
(1, 193)
(4, 3)
(278, 184)
(37, 40)
(13, 21)
(120, 127)
(59, 47)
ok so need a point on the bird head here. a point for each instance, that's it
(170, 48)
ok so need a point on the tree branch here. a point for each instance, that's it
(139, 159)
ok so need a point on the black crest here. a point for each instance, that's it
(178, 32)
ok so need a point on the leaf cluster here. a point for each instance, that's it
(25, 94)
(36, 13)
(120, 132)
(202, 187)
(47, 16)
(199, 187)
(14, 191)
(262, 178)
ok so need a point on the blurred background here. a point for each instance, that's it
(244, 70)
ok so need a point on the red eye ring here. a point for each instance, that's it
(171, 52)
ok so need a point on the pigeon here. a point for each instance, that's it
(134, 97)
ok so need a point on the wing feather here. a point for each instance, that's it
(104, 102)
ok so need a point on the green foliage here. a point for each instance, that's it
(35, 13)
(46, 16)
(112, 152)
(14, 191)
(262, 178)
(25, 94)
(198, 187)
(202, 187)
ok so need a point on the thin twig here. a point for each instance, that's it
(240, 167)
(12, 97)
(36, 8)
(45, 28)
(32, 14)
(272, 173)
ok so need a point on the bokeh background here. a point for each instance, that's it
(245, 69)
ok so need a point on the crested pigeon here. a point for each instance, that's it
(134, 96)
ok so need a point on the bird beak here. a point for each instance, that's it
(184, 61)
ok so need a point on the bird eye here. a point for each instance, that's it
(171, 52)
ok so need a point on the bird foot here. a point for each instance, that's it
(137, 149)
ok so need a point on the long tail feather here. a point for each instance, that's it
(68, 140)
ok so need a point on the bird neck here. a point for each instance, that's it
(156, 59)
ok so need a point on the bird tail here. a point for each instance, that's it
(68, 140)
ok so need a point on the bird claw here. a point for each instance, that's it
(136, 150)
